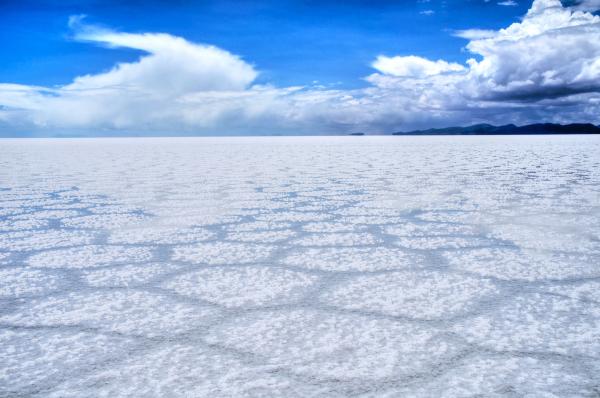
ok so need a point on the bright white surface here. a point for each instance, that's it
(374, 266)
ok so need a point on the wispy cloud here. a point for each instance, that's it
(475, 34)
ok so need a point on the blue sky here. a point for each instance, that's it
(294, 67)
(291, 42)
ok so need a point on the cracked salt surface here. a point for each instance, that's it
(126, 312)
(414, 294)
(356, 259)
(90, 256)
(371, 266)
(50, 239)
(21, 281)
(242, 286)
(222, 253)
(326, 345)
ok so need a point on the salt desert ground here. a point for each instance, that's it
(300, 266)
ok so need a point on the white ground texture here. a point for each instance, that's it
(300, 267)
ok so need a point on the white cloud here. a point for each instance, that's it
(198, 67)
(136, 94)
(474, 34)
(412, 66)
(545, 67)
(552, 52)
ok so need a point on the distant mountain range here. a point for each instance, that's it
(488, 129)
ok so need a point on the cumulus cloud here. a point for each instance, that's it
(544, 67)
(553, 52)
(549, 58)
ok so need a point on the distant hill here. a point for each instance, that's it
(511, 129)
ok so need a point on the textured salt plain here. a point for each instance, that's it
(351, 266)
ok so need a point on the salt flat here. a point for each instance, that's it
(324, 266)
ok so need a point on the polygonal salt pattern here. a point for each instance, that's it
(182, 370)
(33, 361)
(546, 238)
(441, 242)
(261, 236)
(128, 312)
(586, 290)
(500, 376)
(18, 282)
(20, 225)
(337, 239)
(48, 239)
(159, 235)
(171, 218)
(371, 220)
(243, 286)
(448, 216)
(113, 209)
(104, 221)
(223, 253)
(332, 227)
(353, 259)
(258, 226)
(90, 256)
(414, 294)
(293, 217)
(411, 229)
(325, 346)
(48, 214)
(324, 266)
(539, 323)
(130, 275)
(528, 265)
